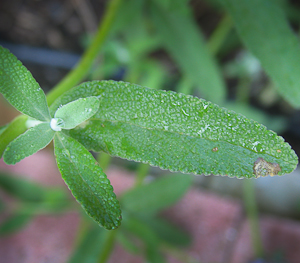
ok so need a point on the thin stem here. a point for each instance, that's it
(108, 246)
(217, 38)
(252, 214)
(141, 173)
(86, 61)
(104, 160)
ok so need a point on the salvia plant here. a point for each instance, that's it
(162, 128)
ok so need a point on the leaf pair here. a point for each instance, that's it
(39, 136)
(85, 179)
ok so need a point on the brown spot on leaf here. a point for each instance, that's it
(263, 168)
(215, 149)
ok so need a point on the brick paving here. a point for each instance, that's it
(217, 225)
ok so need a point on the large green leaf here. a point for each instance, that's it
(28, 143)
(164, 192)
(19, 87)
(183, 40)
(263, 27)
(178, 132)
(87, 182)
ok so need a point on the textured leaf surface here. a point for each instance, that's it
(28, 143)
(184, 42)
(178, 132)
(164, 192)
(270, 38)
(87, 182)
(77, 111)
(19, 87)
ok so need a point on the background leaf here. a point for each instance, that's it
(150, 240)
(21, 188)
(90, 247)
(263, 27)
(19, 87)
(77, 111)
(30, 192)
(153, 197)
(87, 181)
(146, 125)
(14, 223)
(28, 143)
(183, 40)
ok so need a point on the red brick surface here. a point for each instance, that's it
(219, 232)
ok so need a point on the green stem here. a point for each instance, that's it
(185, 86)
(86, 61)
(141, 173)
(252, 214)
(108, 246)
(104, 160)
(217, 38)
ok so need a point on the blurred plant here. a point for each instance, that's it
(173, 131)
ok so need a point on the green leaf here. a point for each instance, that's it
(14, 223)
(183, 40)
(87, 181)
(21, 188)
(77, 111)
(28, 143)
(266, 32)
(164, 192)
(167, 232)
(13, 130)
(19, 87)
(90, 247)
(178, 132)
(150, 239)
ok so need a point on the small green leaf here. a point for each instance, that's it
(164, 192)
(77, 111)
(185, 43)
(19, 87)
(16, 127)
(28, 143)
(266, 32)
(87, 181)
